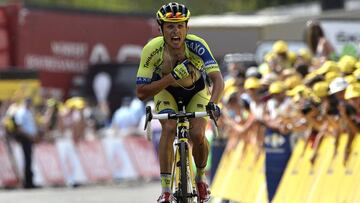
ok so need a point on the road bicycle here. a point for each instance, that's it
(183, 183)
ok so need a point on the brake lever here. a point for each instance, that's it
(212, 117)
(148, 116)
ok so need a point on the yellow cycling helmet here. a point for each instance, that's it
(280, 46)
(172, 12)
(352, 91)
(277, 87)
(252, 83)
(321, 89)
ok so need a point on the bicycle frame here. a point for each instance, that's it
(182, 171)
(183, 175)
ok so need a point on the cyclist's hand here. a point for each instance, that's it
(181, 71)
(211, 106)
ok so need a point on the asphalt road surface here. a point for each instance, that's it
(134, 192)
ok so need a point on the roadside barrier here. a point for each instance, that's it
(327, 179)
(47, 159)
(65, 163)
(8, 176)
(240, 176)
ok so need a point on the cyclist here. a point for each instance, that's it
(172, 68)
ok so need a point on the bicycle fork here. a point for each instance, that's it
(181, 143)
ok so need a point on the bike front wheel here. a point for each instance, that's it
(183, 173)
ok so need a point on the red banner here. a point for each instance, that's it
(78, 40)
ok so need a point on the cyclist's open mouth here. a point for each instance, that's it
(175, 39)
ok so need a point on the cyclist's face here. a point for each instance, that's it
(174, 34)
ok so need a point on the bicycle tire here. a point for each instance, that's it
(183, 172)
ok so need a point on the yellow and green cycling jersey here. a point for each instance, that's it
(196, 97)
(197, 51)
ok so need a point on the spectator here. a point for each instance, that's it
(51, 118)
(277, 136)
(73, 118)
(317, 42)
(233, 69)
(280, 60)
(254, 88)
(137, 108)
(352, 95)
(124, 118)
(27, 135)
(277, 107)
(304, 57)
(252, 72)
(99, 114)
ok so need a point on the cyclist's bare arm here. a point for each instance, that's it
(146, 91)
(218, 86)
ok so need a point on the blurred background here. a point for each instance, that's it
(289, 131)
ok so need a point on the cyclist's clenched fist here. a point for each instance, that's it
(182, 70)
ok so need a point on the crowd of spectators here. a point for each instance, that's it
(305, 95)
(30, 117)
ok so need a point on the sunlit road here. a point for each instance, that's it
(138, 192)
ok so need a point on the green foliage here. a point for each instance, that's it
(197, 7)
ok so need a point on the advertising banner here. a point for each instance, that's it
(278, 152)
(342, 34)
(62, 44)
